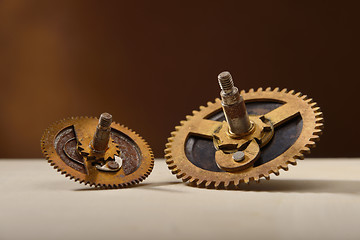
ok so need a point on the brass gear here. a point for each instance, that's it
(190, 151)
(65, 146)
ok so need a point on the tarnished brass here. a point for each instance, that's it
(119, 158)
(285, 125)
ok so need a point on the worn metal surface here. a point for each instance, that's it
(233, 105)
(192, 155)
(102, 134)
(127, 159)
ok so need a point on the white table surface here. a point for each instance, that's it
(317, 199)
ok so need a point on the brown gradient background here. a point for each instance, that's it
(150, 63)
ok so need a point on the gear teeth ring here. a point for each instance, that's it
(105, 180)
(180, 165)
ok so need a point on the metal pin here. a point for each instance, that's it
(233, 105)
(102, 135)
(238, 156)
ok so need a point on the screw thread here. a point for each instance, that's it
(105, 120)
(225, 81)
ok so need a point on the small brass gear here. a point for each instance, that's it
(127, 159)
(290, 123)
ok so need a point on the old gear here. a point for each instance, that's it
(283, 126)
(112, 158)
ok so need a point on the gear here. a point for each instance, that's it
(112, 158)
(283, 126)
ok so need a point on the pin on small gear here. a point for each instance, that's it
(100, 152)
(243, 137)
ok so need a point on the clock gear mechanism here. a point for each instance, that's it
(243, 137)
(97, 152)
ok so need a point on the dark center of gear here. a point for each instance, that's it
(65, 145)
(201, 151)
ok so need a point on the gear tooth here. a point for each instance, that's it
(202, 108)
(292, 92)
(319, 115)
(268, 89)
(319, 126)
(237, 183)
(257, 179)
(182, 122)
(311, 144)
(309, 101)
(194, 112)
(170, 139)
(186, 178)
(167, 151)
(275, 171)
(169, 161)
(317, 132)
(219, 184)
(305, 150)
(242, 92)
(298, 94)
(292, 161)
(313, 105)
(209, 184)
(217, 100)
(200, 183)
(229, 184)
(246, 180)
(276, 89)
(167, 156)
(320, 120)
(168, 145)
(181, 175)
(175, 171)
(299, 156)
(193, 180)
(284, 167)
(188, 117)
(209, 103)
(173, 133)
(284, 90)
(315, 138)
(251, 90)
(260, 89)
(171, 166)
(304, 97)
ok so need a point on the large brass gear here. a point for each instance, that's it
(296, 121)
(65, 145)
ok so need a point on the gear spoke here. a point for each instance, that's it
(205, 128)
(282, 114)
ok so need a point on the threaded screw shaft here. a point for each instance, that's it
(102, 133)
(105, 120)
(233, 105)
(226, 82)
